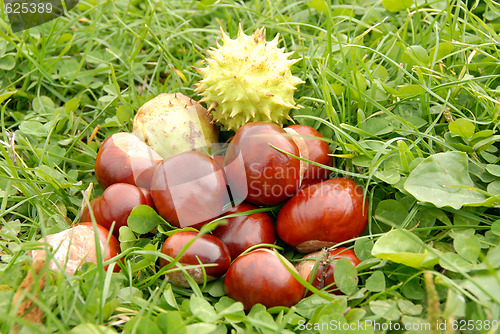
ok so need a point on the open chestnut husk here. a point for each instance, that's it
(323, 214)
(207, 249)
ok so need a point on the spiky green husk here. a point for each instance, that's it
(248, 79)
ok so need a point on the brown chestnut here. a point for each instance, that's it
(256, 171)
(207, 249)
(323, 214)
(75, 246)
(324, 276)
(115, 205)
(318, 151)
(242, 232)
(259, 277)
(123, 158)
(189, 189)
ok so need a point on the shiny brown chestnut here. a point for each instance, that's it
(123, 158)
(243, 232)
(75, 246)
(323, 214)
(256, 171)
(259, 277)
(318, 151)
(189, 189)
(207, 249)
(324, 276)
(115, 205)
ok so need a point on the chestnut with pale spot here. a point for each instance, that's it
(75, 246)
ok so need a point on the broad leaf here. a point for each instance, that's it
(462, 127)
(443, 180)
(401, 246)
(396, 5)
(143, 219)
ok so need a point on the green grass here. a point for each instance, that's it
(387, 89)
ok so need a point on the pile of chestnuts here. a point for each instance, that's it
(263, 165)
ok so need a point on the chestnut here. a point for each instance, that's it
(189, 189)
(242, 232)
(259, 277)
(318, 151)
(324, 276)
(256, 171)
(207, 249)
(75, 246)
(115, 205)
(124, 158)
(323, 214)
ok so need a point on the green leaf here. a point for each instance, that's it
(387, 309)
(126, 237)
(408, 91)
(377, 126)
(493, 169)
(495, 227)
(33, 128)
(6, 95)
(143, 219)
(363, 248)
(171, 323)
(455, 305)
(391, 212)
(414, 55)
(202, 309)
(72, 105)
(390, 176)
(485, 285)
(444, 49)
(376, 282)
(462, 127)
(142, 325)
(443, 180)
(467, 247)
(43, 104)
(7, 62)
(201, 328)
(215, 288)
(319, 5)
(346, 276)
(122, 115)
(89, 328)
(204, 4)
(396, 5)
(407, 307)
(402, 246)
(454, 262)
(485, 143)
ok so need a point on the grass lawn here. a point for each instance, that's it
(406, 92)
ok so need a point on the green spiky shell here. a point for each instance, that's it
(248, 79)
